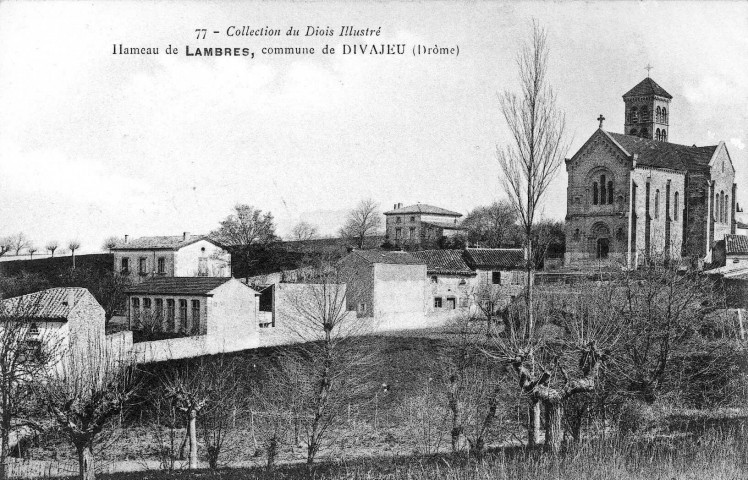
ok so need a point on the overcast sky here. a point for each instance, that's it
(94, 144)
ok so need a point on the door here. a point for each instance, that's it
(202, 267)
(451, 303)
(603, 247)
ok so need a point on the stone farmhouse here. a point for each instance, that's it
(459, 278)
(171, 256)
(635, 195)
(420, 224)
(192, 316)
(60, 320)
(387, 286)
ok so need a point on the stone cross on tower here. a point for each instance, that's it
(648, 68)
(601, 119)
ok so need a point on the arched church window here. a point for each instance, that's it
(728, 209)
(664, 135)
(675, 206)
(664, 115)
(716, 207)
(658, 114)
(644, 113)
(610, 192)
(644, 133)
(658, 135)
(634, 115)
(634, 132)
(602, 190)
(722, 206)
(594, 193)
(657, 204)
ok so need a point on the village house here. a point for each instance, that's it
(634, 195)
(420, 224)
(190, 316)
(387, 286)
(459, 278)
(731, 253)
(171, 256)
(63, 319)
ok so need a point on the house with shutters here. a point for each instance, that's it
(171, 256)
(456, 279)
(420, 225)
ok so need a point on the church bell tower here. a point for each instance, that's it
(647, 111)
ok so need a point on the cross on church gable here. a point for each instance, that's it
(601, 119)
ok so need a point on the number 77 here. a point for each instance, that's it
(200, 31)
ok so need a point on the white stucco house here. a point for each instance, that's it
(57, 320)
(192, 316)
(171, 256)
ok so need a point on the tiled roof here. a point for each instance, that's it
(447, 225)
(494, 257)
(50, 304)
(736, 244)
(161, 242)
(647, 87)
(380, 256)
(664, 154)
(445, 262)
(423, 209)
(179, 285)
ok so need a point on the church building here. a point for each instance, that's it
(634, 196)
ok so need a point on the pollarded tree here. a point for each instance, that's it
(74, 245)
(51, 246)
(362, 222)
(5, 245)
(111, 242)
(532, 156)
(83, 393)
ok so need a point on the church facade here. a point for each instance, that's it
(635, 196)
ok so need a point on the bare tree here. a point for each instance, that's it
(25, 352)
(74, 245)
(18, 242)
(32, 250)
(330, 352)
(5, 245)
(245, 229)
(304, 231)
(52, 246)
(83, 393)
(533, 155)
(362, 222)
(111, 242)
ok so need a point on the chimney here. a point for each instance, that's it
(126, 237)
(394, 207)
(185, 235)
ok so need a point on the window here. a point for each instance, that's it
(34, 329)
(431, 232)
(664, 115)
(437, 302)
(576, 235)
(463, 302)
(496, 278)
(728, 209)
(634, 132)
(594, 193)
(196, 317)
(434, 279)
(602, 190)
(657, 204)
(451, 303)
(412, 219)
(610, 192)
(675, 206)
(398, 220)
(143, 266)
(362, 308)
(634, 115)
(147, 306)
(658, 114)
(125, 266)
(658, 136)
(135, 313)
(645, 114)
(716, 207)
(412, 232)
(161, 268)
(159, 313)
(170, 315)
(721, 217)
(398, 233)
(202, 267)
(664, 136)
(462, 282)
(183, 316)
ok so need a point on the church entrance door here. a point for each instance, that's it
(603, 247)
